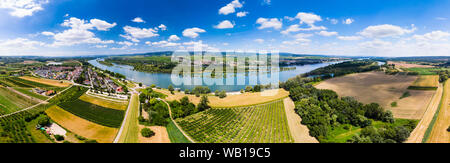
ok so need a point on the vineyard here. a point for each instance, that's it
(265, 123)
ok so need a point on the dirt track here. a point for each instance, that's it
(439, 133)
(419, 132)
(299, 132)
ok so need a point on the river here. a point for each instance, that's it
(163, 80)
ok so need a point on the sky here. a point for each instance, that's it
(346, 27)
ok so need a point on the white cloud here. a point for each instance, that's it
(289, 18)
(292, 28)
(259, 40)
(174, 38)
(22, 8)
(46, 33)
(441, 18)
(19, 44)
(308, 18)
(433, 36)
(348, 21)
(386, 30)
(162, 27)
(135, 33)
(349, 38)
(138, 20)
(226, 24)
(80, 32)
(125, 43)
(327, 34)
(242, 14)
(163, 44)
(334, 21)
(102, 25)
(193, 32)
(300, 38)
(198, 45)
(230, 8)
(101, 46)
(269, 23)
(376, 44)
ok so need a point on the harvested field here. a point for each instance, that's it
(81, 126)
(50, 82)
(246, 99)
(104, 102)
(426, 82)
(161, 135)
(408, 65)
(439, 133)
(382, 89)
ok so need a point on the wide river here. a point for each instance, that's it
(163, 80)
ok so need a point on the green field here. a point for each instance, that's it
(175, 135)
(30, 93)
(94, 113)
(11, 102)
(265, 123)
(131, 129)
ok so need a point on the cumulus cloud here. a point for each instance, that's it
(19, 44)
(138, 20)
(174, 38)
(349, 38)
(305, 18)
(193, 32)
(226, 24)
(433, 36)
(327, 34)
(348, 21)
(230, 8)
(300, 38)
(308, 18)
(162, 27)
(135, 33)
(102, 25)
(269, 23)
(386, 30)
(46, 33)
(22, 8)
(162, 44)
(242, 14)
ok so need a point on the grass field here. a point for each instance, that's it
(11, 102)
(175, 135)
(104, 103)
(54, 83)
(131, 127)
(246, 99)
(94, 113)
(377, 87)
(29, 92)
(426, 82)
(81, 126)
(437, 131)
(264, 123)
(426, 71)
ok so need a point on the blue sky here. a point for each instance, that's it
(345, 27)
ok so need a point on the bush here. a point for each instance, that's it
(146, 132)
(448, 129)
(59, 137)
(223, 94)
(44, 121)
(394, 104)
(90, 141)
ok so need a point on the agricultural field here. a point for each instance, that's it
(54, 83)
(11, 102)
(81, 126)
(130, 129)
(426, 71)
(441, 121)
(175, 134)
(246, 99)
(161, 135)
(426, 82)
(376, 87)
(265, 123)
(408, 65)
(103, 102)
(29, 92)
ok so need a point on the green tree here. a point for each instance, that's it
(146, 132)
(204, 104)
(223, 94)
(171, 89)
(44, 121)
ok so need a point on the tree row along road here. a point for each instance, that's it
(419, 132)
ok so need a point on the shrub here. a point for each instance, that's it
(394, 104)
(223, 94)
(44, 121)
(448, 129)
(90, 141)
(59, 137)
(146, 132)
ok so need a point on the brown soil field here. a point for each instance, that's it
(299, 132)
(439, 134)
(55, 83)
(104, 102)
(382, 89)
(245, 99)
(408, 65)
(81, 126)
(161, 135)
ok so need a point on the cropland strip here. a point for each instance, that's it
(81, 126)
(419, 132)
(11, 101)
(246, 99)
(54, 83)
(377, 87)
(426, 82)
(439, 133)
(104, 102)
(299, 132)
(130, 129)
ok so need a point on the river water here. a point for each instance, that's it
(163, 80)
